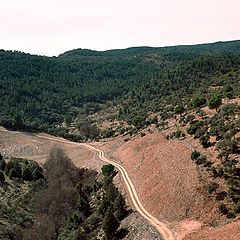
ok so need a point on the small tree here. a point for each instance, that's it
(13, 173)
(119, 207)
(215, 102)
(2, 177)
(223, 209)
(198, 101)
(195, 154)
(237, 207)
(2, 164)
(108, 169)
(27, 174)
(68, 119)
(179, 109)
(110, 224)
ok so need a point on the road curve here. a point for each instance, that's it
(160, 226)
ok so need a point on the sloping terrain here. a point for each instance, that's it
(36, 147)
(170, 186)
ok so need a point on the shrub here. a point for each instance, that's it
(27, 174)
(223, 209)
(2, 177)
(189, 118)
(194, 127)
(110, 224)
(213, 187)
(13, 173)
(204, 140)
(221, 195)
(179, 109)
(236, 208)
(215, 102)
(108, 169)
(201, 160)
(2, 164)
(195, 154)
(230, 215)
(198, 101)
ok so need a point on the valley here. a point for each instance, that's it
(167, 118)
(155, 165)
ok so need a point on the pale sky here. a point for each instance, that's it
(51, 27)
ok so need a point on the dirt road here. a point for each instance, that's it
(160, 226)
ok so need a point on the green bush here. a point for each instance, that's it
(223, 209)
(230, 215)
(179, 109)
(236, 208)
(194, 127)
(212, 187)
(2, 177)
(27, 174)
(13, 173)
(108, 169)
(195, 154)
(2, 164)
(215, 102)
(198, 101)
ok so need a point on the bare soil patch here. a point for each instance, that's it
(169, 184)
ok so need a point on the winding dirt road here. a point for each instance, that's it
(160, 226)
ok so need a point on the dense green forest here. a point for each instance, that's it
(58, 201)
(39, 93)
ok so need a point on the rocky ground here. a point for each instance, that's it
(170, 186)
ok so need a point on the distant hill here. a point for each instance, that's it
(207, 48)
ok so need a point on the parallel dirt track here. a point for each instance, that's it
(160, 226)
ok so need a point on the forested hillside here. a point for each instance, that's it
(39, 93)
(58, 201)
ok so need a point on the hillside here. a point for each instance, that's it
(39, 93)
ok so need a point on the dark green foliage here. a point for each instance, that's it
(39, 93)
(2, 164)
(86, 128)
(37, 174)
(110, 224)
(67, 119)
(194, 127)
(215, 102)
(198, 101)
(221, 195)
(176, 134)
(204, 140)
(223, 209)
(213, 187)
(2, 177)
(119, 207)
(108, 169)
(201, 160)
(228, 146)
(230, 215)
(139, 121)
(27, 174)
(179, 109)
(195, 154)
(8, 166)
(13, 173)
(237, 207)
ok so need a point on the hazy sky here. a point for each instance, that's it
(50, 27)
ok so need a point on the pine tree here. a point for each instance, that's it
(119, 207)
(110, 224)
